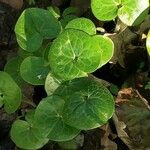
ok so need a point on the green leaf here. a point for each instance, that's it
(33, 26)
(51, 84)
(70, 11)
(148, 42)
(10, 93)
(88, 106)
(83, 24)
(147, 86)
(104, 9)
(64, 21)
(133, 12)
(106, 47)
(73, 57)
(55, 11)
(130, 12)
(29, 117)
(33, 70)
(49, 116)
(13, 69)
(27, 137)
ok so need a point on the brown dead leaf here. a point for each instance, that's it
(122, 41)
(17, 4)
(132, 119)
(106, 143)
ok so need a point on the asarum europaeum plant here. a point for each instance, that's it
(61, 55)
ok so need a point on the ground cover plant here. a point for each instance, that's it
(60, 49)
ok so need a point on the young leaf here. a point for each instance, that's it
(130, 12)
(33, 70)
(13, 68)
(148, 43)
(106, 47)
(88, 106)
(82, 24)
(33, 26)
(27, 137)
(73, 57)
(10, 93)
(49, 116)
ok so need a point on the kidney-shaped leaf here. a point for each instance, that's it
(88, 106)
(33, 70)
(27, 137)
(74, 54)
(10, 93)
(82, 24)
(130, 12)
(33, 26)
(48, 115)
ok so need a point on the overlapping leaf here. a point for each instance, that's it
(88, 103)
(49, 116)
(83, 24)
(33, 26)
(33, 70)
(74, 54)
(130, 12)
(10, 93)
(13, 68)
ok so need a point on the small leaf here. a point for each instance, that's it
(83, 24)
(66, 19)
(33, 26)
(55, 11)
(13, 68)
(88, 106)
(10, 93)
(29, 117)
(148, 43)
(49, 116)
(73, 57)
(33, 70)
(70, 11)
(51, 84)
(27, 137)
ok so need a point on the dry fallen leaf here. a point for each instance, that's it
(106, 143)
(17, 4)
(132, 119)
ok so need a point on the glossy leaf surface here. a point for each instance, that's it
(33, 26)
(49, 116)
(73, 57)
